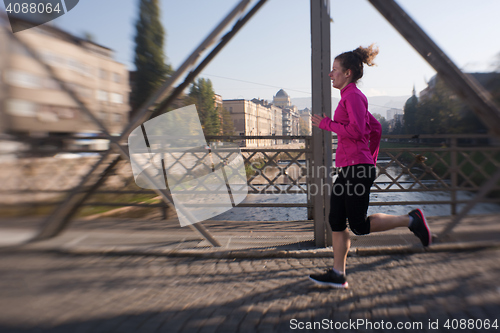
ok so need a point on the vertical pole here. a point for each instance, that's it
(308, 146)
(454, 175)
(321, 104)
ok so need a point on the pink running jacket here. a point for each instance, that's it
(358, 132)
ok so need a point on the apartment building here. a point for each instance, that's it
(255, 118)
(290, 114)
(290, 121)
(32, 102)
(305, 115)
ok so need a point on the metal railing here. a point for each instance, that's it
(429, 163)
(445, 163)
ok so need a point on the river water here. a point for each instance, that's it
(300, 213)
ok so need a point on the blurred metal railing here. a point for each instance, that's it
(429, 163)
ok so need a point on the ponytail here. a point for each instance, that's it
(355, 59)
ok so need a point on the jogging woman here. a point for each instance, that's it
(358, 134)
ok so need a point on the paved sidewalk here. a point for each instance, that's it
(242, 239)
(54, 292)
(117, 275)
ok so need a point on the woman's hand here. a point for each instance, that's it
(316, 119)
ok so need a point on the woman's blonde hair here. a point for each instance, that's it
(355, 59)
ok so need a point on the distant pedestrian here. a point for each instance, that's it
(358, 134)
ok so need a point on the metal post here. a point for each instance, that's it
(454, 175)
(321, 163)
(308, 147)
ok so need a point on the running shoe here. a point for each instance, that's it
(330, 279)
(420, 227)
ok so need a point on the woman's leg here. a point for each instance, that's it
(341, 242)
(337, 219)
(340, 239)
(382, 222)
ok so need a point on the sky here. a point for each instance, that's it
(273, 50)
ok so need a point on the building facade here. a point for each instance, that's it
(290, 114)
(393, 112)
(305, 116)
(33, 103)
(255, 118)
(281, 99)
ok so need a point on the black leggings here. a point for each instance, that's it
(351, 197)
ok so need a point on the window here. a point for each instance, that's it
(21, 108)
(47, 116)
(74, 65)
(50, 84)
(102, 95)
(103, 74)
(51, 58)
(117, 77)
(80, 90)
(84, 92)
(102, 115)
(116, 98)
(65, 112)
(117, 118)
(19, 49)
(87, 70)
(22, 79)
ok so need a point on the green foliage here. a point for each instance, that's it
(398, 128)
(383, 122)
(303, 128)
(441, 113)
(410, 115)
(202, 95)
(227, 122)
(149, 56)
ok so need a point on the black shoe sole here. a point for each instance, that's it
(344, 285)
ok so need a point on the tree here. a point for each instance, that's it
(303, 128)
(398, 127)
(383, 122)
(227, 122)
(442, 112)
(149, 56)
(410, 114)
(202, 95)
(89, 36)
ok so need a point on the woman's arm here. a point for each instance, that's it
(317, 119)
(375, 135)
(355, 128)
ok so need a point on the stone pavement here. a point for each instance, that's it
(146, 275)
(55, 292)
(155, 236)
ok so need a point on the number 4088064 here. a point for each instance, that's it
(471, 324)
(32, 8)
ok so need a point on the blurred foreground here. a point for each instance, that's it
(146, 275)
(49, 292)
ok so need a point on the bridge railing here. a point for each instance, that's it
(35, 180)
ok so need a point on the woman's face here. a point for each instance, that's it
(339, 77)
